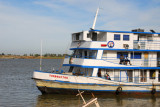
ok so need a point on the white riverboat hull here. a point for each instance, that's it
(69, 84)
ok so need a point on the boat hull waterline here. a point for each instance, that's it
(55, 84)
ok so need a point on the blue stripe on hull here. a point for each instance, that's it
(87, 91)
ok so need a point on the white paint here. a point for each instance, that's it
(95, 71)
(99, 54)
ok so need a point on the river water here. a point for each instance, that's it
(17, 89)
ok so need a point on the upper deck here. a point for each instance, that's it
(137, 40)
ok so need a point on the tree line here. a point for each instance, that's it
(36, 55)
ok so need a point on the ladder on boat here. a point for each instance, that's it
(90, 102)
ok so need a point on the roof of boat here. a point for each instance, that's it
(124, 31)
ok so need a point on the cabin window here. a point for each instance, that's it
(92, 54)
(77, 54)
(85, 54)
(77, 36)
(71, 69)
(143, 75)
(117, 37)
(126, 37)
(136, 55)
(94, 36)
(125, 54)
(88, 35)
(152, 74)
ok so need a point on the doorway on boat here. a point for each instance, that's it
(146, 59)
(158, 59)
(123, 76)
(99, 73)
(159, 76)
(105, 73)
(129, 75)
(143, 75)
(152, 74)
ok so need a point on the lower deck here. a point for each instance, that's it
(105, 81)
(135, 76)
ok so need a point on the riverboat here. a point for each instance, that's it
(105, 61)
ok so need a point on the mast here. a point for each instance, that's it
(95, 19)
(41, 58)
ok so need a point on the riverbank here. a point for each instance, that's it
(28, 57)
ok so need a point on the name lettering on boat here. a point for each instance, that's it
(57, 76)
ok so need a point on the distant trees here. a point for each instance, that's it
(25, 55)
(2, 54)
(36, 55)
(49, 55)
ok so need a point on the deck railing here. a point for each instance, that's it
(150, 62)
(138, 79)
(146, 44)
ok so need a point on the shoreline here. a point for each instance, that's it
(28, 57)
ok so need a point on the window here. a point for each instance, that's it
(77, 36)
(94, 36)
(126, 37)
(122, 53)
(88, 35)
(92, 54)
(117, 37)
(136, 55)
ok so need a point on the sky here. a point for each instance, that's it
(25, 23)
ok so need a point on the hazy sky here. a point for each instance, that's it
(24, 23)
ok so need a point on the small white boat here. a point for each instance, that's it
(105, 61)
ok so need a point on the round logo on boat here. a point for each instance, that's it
(110, 44)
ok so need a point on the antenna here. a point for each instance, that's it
(41, 58)
(94, 22)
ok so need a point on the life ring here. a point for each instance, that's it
(118, 90)
(153, 91)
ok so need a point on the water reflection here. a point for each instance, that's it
(52, 100)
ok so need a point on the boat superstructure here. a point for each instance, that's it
(107, 61)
